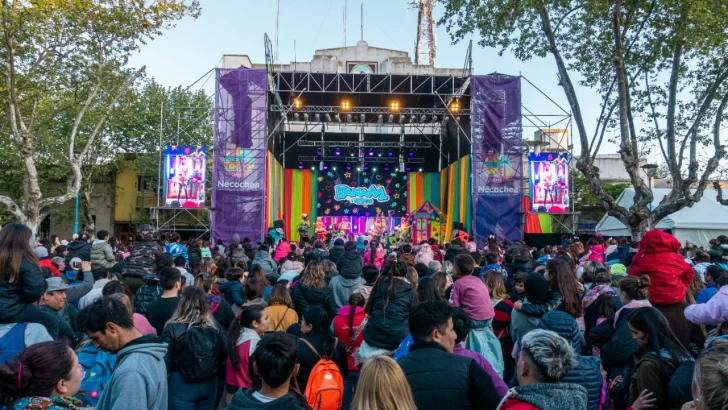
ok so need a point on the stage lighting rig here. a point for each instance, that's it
(413, 118)
(363, 118)
(391, 118)
(328, 117)
(455, 106)
(394, 106)
(345, 105)
(337, 117)
(402, 118)
(305, 117)
(296, 117)
(297, 104)
(349, 118)
(380, 119)
(317, 117)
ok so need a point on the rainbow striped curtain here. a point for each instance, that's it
(423, 187)
(299, 198)
(274, 181)
(458, 195)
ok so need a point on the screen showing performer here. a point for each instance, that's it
(185, 170)
(549, 180)
(353, 190)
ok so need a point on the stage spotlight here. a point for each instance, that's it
(408, 169)
(394, 106)
(351, 152)
(333, 168)
(348, 167)
(413, 118)
(358, 169)
(337, 117)
(296, 117)
(363, 118)
(380, 119)
(321, 165)
(371, 153)
(326, 167)
(300, 165)
(331, 227)
(313, 168)
(411, 153)
(402, 118)
(434, 119)
(374, 169)
(420, 169)
(345, 105)
(366, 168)
(305, 117)
(423, 119)
(386, 169)
(328, 117)
(401, 167)
(379, 153)
(390, 119)
(349, 118)
(297, 104)
(319, 153)
(455, 106)
(337, 152)
(317, 117)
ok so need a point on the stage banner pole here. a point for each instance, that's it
(497, 162)
(240, 171)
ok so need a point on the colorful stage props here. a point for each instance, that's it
(185, 170)
(549, 181)
(344, 191)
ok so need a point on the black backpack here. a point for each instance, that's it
(200, 353)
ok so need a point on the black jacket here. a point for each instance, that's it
(386, 330)
(194, 256)
(521, 263)
(175, 335)
(335, 253)
(143, 259)
(454, 251)
(148, 293)
(441, 380)
(78, 249)
(308, 358)
(304, 296)
(617, 346)
(244, 400)
(349, 265)
(27, 289)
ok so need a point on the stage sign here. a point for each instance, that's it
(348, 192)
(185, 170)
(549, 181)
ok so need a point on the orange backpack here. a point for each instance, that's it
(325, 386)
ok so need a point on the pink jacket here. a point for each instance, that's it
(378, 260)
(596, 253)
(143, 325)
(282, 250)
(471, 294)
(714, 312)
(245, 345)
(425, 254)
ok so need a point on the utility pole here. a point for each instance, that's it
(345, 23)
(278, 15)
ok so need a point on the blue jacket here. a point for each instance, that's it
(706, 294)
(232, 290)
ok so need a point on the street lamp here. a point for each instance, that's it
(648, 168)
(75, 217)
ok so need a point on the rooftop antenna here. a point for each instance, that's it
(362, 20)
(345, 23)
(278, 14)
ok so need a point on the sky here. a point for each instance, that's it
(186, 52)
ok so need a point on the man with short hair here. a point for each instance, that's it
(162, 309)
(101, 253)
(454, 250)
(179, 263)
(101, 278)
(545, 358)
(438, 378)
(275, 363)
(139, 380)
(54, 301)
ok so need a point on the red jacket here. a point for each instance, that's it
(669, 274)
(341, 331)
(47, 263)
(515, 404)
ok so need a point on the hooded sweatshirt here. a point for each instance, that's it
(425, 254)
(139, 380)
(94, 294)
(282, 250)
(245, 345)
(343, 287)
(245, 399)
(545, 396)
(292, 266)
(101, 254)
(270, 267)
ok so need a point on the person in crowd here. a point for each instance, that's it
(21, 281)
(282, 250)
(195, 350)
(142, 259)
(543, 361)
(59, 264)
(265, 287)
(471, 294)
(522, 261)
(14, 337)
(407, 256)
(547, 256)
(430, 289)
(253, 291)
(220, 309)
(280, 309)
(54, 301)
(236, 252)
(719, 252)
(194, 256)
(139, 380)
(388, 307)
(312, 291)
(348, 326)
(150, 291)
(586, 371)
(375, 255)
(602, 285)
(114, 287)
(537, 293)
(102, 256)
(79, 248)
(661, 354)
(241, 341)
(710, 387)
(140, 322)
(503, 308)
(162, 309)
(711, 276)
(62, 251)
(461, 324)
(45, 375)
(438, 378)
(318, 342)
(205, 251)
(175, 247)
(491, 263)
(45, 260)
(119, 264)
(337, 250)
(101, 278)
(233, 291)
(270, 267)
(275, 363)
(370, 273)
(382, 386)
(432, 268)
(596, 249)
(349, 278)
(701, 262)
(714, 311)
(456, 248)
(518, 292)
(219, 248)
(291, 268)
(179, 263)
(425, 254)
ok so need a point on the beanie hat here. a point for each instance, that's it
(41, 251)
(537, 288)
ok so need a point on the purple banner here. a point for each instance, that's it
(239, 172)
(497, 158)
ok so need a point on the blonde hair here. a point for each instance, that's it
(382, 386)
(496, 285)
(313, 275)
(711, 377)
(192, 309)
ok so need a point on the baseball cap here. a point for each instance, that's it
(76, 264)
(55, 284)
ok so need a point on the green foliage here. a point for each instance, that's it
(584, 199)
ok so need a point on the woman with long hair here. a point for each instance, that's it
(382, 386)
(661, 354)
(280, 309)
(429, 289)
(710, 380)
(192, 335)
(375, 255)
(494, 248)
(256, 271)
(318, 342)
(21, 281)
(45, 375)
(55, 242)
(242, 337)
(503, 307)
(348, 327)
(313, 291)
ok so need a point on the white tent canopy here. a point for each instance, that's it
(699, 224)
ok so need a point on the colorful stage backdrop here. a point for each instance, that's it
(497, 186)
(344, 191)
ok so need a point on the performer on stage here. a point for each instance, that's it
(320, 229)
(404, 229)
(304, 227)
(345, 227)
(379, 226)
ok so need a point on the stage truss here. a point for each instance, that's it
(167, 219)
